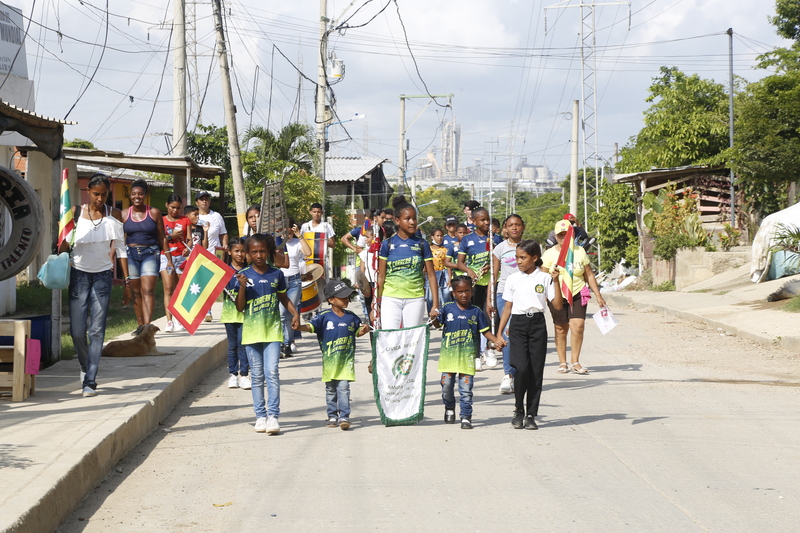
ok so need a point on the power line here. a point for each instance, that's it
(89, 82)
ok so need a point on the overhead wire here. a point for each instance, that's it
(89, 81)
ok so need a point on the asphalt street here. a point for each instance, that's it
(675, 428)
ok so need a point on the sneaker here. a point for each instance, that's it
(83, 377)
(208, 317)
(273, 428)
(478, 366)
(170, 327)
(449, 416)
(88, 391)
(466, 423)
(507, 385)
(244, 382)
(233, 382)
(517, 421)
(261, 425)
(344, 423)
(178, 327)
(287, 350)
(530, 423)
(137, 331)
(332, 422)
(293, 346)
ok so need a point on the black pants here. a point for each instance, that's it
(527, 337)
(479, 295)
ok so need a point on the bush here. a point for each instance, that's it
(729, 237)
(666, 246)
(667, 286)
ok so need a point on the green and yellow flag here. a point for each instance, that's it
(566, 260)
(203, 279)
(66, 222)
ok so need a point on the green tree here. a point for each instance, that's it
(766, 152)
(80, 143)
(540, 214)
(787, 25)
(290, 155)
(616, 226)
(686, 124)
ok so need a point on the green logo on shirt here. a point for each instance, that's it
(540, 289)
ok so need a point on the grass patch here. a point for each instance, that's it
(793, 305)
(667, 286)
(702, 290)
(35, 300)
(721, 293)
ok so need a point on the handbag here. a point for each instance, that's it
(54, 273)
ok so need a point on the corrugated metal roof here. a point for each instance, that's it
(13, 110)
(350, 168)
(674, 172)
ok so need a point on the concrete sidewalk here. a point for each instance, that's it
(56, 446)
(729, 302)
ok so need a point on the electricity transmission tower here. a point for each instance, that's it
(589, 134)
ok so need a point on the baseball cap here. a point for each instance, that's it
(450, 220)
(200, 194)
(338, 289)
(562, 225)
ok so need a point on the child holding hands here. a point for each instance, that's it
(526, 294)
(336, 331)
(261, 287)
(463, 324)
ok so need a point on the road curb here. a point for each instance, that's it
(788, 343)
(77, 476)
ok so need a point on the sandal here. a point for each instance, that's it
(579, 370)
(563, 368)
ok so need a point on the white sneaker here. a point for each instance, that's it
(233, 382)
(491, 360)
(179, 327)
(170, 327)
(273, 428)
(88, 391)
(208, 317)
(244, 382)
(261, 425)
(293, 346)
(507, 385)
(478, 367)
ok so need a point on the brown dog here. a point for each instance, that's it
(141, 345)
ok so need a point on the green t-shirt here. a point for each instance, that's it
(337, 340)
(262, 317)
(460, 338)
(405, 266)
(229, 313)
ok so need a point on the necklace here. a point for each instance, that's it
(100, 221)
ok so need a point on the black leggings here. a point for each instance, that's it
(527, 337)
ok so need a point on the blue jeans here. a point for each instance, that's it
(263, 358)
(337, 396)
(294, 291)
(89, 294)
(464, 392)
(237, 356)
(441, 281)
(507, 368)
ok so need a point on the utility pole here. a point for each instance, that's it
(402, 155)
(230, 122)
(183, 185)
(322, 113)
(573, 174)
(730, 119)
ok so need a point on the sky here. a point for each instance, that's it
(513, 66)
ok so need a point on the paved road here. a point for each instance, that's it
(676, 428)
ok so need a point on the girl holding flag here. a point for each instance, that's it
(576, 279)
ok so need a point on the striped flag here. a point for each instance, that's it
(66, 223)
(316, 240)
(566, 260)
(204, 277)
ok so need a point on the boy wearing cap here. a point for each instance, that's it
(336, 331)
(450, 227)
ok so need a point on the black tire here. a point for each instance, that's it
(24, 206)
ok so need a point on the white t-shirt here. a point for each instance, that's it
(216, 227)
(322, 227)
(506, 253)
(370, 272)
(529, 292)
(297, 259)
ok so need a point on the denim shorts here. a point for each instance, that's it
(143, 261)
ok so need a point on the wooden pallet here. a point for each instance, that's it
(15, 380)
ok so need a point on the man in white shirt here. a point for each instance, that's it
(215, 224)
(215, 227)
(316, 225)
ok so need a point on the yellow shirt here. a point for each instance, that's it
(550, 256)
